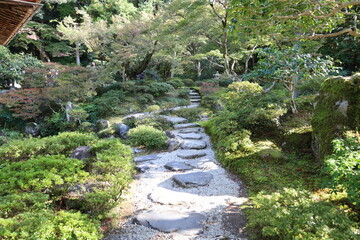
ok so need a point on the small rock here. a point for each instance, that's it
(173, 144)
(177, 166)
(146, 158)
(102, 124)
(193, 144)
(194, 179)
(191, 136)
(81, 153)
(143, 167)
(172, 221)
(137, 150)
(170, 134)
(343, 106)
(186, 125)
(123, 129)
(191, 154)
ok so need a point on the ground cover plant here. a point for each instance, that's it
(40, 186)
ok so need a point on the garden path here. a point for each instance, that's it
(184, 194)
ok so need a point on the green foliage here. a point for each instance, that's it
(296, 214)
(45, 224)
(157, 122)
(7, 135)
(12, 66)
(191, 114)
(328, 121)
(64, 144)
(153, 108)
(159, 88)
(51, 173)
(148, 136)
(176, 83)
(342, 166)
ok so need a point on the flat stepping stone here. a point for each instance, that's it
(203, 164)
(175, 120)
(194, 136)
(172, 221)
(146, 158)
(178, 166)
(168, 197)
(190, 130)
(191, 154)
(195, 179)
(194, 94)
(193, 144)
(195, 100)
(186, 125)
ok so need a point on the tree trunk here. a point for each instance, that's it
(293, 103)
(77, 53)
(198, 68)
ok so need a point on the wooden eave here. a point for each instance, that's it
(13, 15)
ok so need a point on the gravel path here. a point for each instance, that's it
(215, 204)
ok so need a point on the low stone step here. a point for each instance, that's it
(186, 125)
(194, 136)
(146, 158)
(193, 144)
(172, 221)
(190, 130)
(194, 94)
(190, 154)
(195, 179)
(177, 166)
(195, 100)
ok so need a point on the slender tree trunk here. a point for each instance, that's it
(293, 103)
(198, 68)
(77, 53)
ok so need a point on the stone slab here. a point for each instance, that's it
(194, 179)
(172, 221)
(193, 144)
(190, 130)
(190, 154)
(168, 197)
(178, 166)
(186, 125)
(175, 120)
(146, 158)
(193, 136)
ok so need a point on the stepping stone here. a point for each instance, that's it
(194, 94)
(146, 158)
(193, 144)
(168, 197)
(186, 125)
(174, 120)
(190, 130)
(195, 97)
(195, 100)
(172, 221)
(203, 164)
(190, 154)
(177, 166)
(194, 179)
(191, 136)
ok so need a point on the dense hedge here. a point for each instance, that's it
(46, 195)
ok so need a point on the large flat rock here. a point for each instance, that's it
(175, 120)
(193, 136)
(186, 125)
(190, 154)
(168, 197)
(194, 179)
(146, 158)
(172, 221)
(178, 166)
(193, 144)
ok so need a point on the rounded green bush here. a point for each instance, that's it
(152, 108)
(148, 136)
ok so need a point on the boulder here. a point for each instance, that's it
(123, 129)
(173, 144)
(102, 124)
(170, 134)
(81, 153)
(32, 129)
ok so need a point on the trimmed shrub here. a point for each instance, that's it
(157, 122)
(296, 214)
(45, 224)
(148, 136)
(192, 114)
(153, 108)
(159, 88)
(176, 83)
(50, 173)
